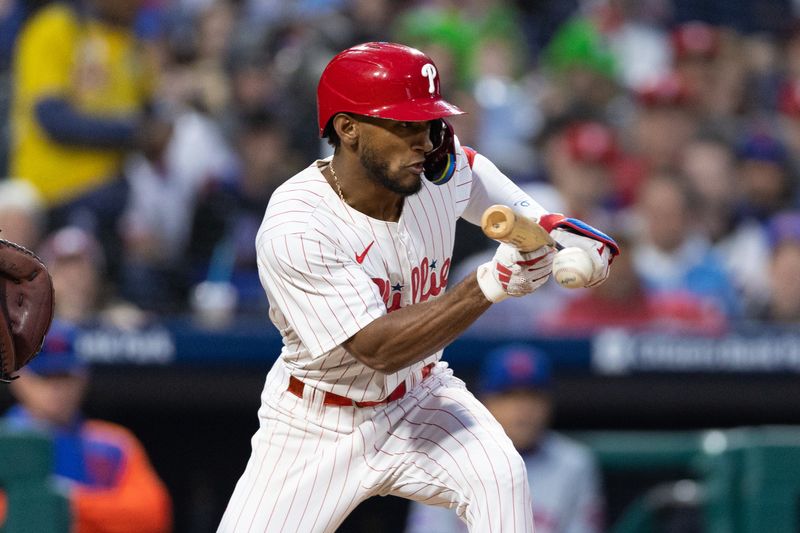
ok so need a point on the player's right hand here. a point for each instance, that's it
(515, 273)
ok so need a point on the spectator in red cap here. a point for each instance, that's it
(579, 156)
(77, 265)
(665, 121)
(581, 166)
(696, 49)
(516, 386)
(715, 62)
(695, 40)
(789, 107)
(667, 90)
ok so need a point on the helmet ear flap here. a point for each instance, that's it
(440, 163)
(438, 132)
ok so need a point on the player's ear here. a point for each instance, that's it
(346, 127)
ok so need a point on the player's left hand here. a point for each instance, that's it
(573, 232)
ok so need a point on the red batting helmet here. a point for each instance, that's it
(384, 80)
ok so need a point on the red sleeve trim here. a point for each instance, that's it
(470, 155)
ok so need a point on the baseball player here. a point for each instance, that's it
(354, 254)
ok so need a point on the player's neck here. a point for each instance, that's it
(361, 193)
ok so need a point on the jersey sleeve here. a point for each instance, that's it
(325, 296)
(461, 183)
(44, 57)
(490, 186)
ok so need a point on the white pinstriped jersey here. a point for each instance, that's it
(329, 270)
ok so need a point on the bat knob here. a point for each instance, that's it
(497, 222)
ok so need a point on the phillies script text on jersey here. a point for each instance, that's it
(424, 284)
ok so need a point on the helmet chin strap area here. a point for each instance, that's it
(440, 163)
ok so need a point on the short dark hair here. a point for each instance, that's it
(330, 134)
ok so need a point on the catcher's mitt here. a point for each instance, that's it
(26, 307)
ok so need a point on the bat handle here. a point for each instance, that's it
(501, 223)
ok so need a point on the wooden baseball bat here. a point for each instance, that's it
(501, 223)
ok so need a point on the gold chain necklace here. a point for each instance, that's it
(336, 181)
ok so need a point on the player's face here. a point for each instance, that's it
(524, 415)
(56, 399)
(393, 152)
(76, 284)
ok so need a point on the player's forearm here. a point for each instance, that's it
(490, 186)
(410, 334)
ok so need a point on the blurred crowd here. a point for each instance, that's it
(142, 140)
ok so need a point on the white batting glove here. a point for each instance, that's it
(514, 273)
(573, 232)
(599, 253)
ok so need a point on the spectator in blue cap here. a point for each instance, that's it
(764, 175)
(783, 305)
(515, 385)
(54, 381)
(109, 480)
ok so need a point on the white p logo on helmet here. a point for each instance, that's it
(429, 71)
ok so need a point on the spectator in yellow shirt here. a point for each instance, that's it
(82, 87)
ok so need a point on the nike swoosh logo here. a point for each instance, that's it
(360, 257)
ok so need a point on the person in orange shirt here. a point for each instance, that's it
(111, 485)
